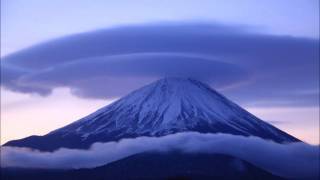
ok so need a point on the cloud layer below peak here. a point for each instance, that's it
(298, 160)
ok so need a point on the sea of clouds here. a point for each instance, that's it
(294, 160)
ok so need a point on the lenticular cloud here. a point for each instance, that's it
(128, 57)
(295, 160)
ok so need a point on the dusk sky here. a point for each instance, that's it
(62, 60)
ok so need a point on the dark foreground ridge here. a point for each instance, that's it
(155, 166)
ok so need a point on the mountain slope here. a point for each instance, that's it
(166, 106)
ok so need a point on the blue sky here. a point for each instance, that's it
(26, 23)
(261, 54)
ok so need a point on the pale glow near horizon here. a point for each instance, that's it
(301, 122)
(22, 115)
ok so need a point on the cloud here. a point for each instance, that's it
(298, 160)
(10, 78)
(112, 62)
(125, 71)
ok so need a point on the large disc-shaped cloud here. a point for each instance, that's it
(125, 72)
(111, 62)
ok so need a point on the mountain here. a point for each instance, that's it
(167, 106)
(170, 165)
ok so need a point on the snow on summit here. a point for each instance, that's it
(167, 106)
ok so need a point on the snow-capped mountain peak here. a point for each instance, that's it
(166, 106)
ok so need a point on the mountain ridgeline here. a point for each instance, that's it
(167, 106)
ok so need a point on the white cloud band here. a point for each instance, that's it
(298, 160)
